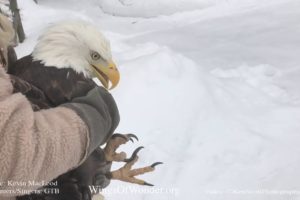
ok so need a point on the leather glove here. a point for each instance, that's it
(99, 112)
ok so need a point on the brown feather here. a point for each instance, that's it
(58, 85)
(36, 96)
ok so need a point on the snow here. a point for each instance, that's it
(146, 8)
(211, 88)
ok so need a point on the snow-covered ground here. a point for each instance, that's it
(211, 87)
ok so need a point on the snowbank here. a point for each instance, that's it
(217, 132)
(148, 8)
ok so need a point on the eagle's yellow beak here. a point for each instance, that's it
(106, 74)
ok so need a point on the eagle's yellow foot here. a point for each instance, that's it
(127, 174)
(113, 143)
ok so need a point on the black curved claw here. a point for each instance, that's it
(125, 137)
(134, 154)
(130, 135)
(155, 164)
(148, 184)
(118, 135)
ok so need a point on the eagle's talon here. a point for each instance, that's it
(148, 184)
(114, 142)
(130, 135)
(126, 137)
(134, 154)
(155, 164)
(118, 135)
(127, 174)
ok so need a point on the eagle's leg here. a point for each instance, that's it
(127, 174)
(113, 143)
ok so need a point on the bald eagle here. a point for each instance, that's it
(61, 67)
(64, 61)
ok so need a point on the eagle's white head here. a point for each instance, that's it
(80, 46)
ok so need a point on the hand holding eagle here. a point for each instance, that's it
(61, 67)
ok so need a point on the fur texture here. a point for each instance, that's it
(7, 34)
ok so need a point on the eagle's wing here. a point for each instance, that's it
(11, 56)
(35, 95)
(59, 86)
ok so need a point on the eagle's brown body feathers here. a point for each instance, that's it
(58, 85)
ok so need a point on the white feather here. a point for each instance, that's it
(68, 45)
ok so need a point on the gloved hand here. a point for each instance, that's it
(99, 112)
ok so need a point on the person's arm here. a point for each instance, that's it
(39, 146)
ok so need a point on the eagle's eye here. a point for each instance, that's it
(95, 55)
